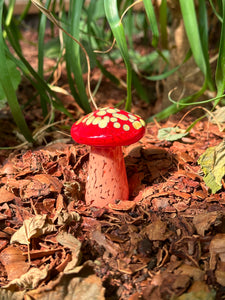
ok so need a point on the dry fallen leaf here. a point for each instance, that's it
(11, 295)
(13, 260)
(42, 185)
(80, 284)
(6, 196)
(169, 282)
(157, 231)
(217, 249)
(212, 162)
(29, 280)
(33, 227)
(194, 272)
(65, 218)
(220, 277)
(69, 241)
(203, 222)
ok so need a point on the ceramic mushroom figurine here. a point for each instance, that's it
(106, 130)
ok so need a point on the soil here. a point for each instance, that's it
(166, 242)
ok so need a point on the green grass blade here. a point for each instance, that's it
(129, 26)
(41, 35)
(116, 26)
(40, 85)
(215, 12)
(163, 24)
(12, 24)
(10, 12)
(74, 15)
(73, 57)
(203, 31)
(8, 87)
(153, 21)
(24, 13)
(191, 27)
(220, 68)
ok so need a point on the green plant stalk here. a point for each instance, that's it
(116, 26)
(8, 87)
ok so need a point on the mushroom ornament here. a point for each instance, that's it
(106, 130)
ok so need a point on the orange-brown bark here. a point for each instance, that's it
(107, 178)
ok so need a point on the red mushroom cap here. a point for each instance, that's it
(108, 127)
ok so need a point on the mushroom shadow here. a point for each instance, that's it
(147, 165)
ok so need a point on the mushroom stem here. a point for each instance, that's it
(107, 178)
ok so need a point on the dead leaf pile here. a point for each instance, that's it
(168, 243)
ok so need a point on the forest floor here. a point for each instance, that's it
(166, 242)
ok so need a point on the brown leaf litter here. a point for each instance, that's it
(168, 242)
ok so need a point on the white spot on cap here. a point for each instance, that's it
(78, 122)
(126, 127)
(104, 122)
(137, 125)
(142, 122)
(96, 121)
(112, 110)
(101, 113)
(132, 116)
(121, 117)
(89, 120)
(113, 119)
(116, 125)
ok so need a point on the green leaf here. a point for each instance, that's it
(191, 26)
(153, 21)
(212, 162)
(14, 76)
(171, 133)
